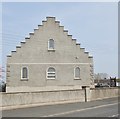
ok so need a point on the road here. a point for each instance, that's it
(101, 108)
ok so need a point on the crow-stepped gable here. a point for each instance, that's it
(49, 59)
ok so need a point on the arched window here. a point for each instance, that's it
(51, 44)
(51, 73)
(24, 72)
(77, 73)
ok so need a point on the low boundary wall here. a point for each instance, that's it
(27, 99)
(102, 93)
(12, 100)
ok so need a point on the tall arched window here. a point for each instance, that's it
(51, 73)
(51, 44)
(24, 73)
(77, 73)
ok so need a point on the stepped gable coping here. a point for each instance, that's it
(61, 26)
(13, 51)
(9, 56)
(18, 46)
(27, 38)
(77, 43)
(50, 17)
(90, 57)
(82, 48)
(44, 21)
(74, 39)
(65, 30)
(57, 21)
(31, 33)
(87, 52)
(40, 25)
(22, 42)
(69, 35)
(35, 29)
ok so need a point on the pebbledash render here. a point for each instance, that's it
(49, 59)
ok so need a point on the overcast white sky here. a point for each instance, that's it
(94, 25)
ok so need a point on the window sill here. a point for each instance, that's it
(26, 79)
(77, 78)
(50, 78)
(51, 50)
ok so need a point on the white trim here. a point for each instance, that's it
(22, 73)
(77, 78)
(51, 49)
(50, 72)
(53, 63)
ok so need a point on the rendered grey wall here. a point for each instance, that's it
(35, 55)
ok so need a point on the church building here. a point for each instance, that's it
(49, 59)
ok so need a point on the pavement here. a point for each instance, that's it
(99, 108)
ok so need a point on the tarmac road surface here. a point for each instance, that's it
(100, 108)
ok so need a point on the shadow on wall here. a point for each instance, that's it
(2, 86)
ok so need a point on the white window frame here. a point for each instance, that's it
(75, 73)
(51, 49)
(22, 73)
(52, 74)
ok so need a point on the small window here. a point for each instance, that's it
(51, 44)
(24, 73)
(51, 73)
(77, 73)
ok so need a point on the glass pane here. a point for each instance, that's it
(51, 70)
(51, 73)
(51, 76)
(24, 73)
(51, 43)
(77, 72)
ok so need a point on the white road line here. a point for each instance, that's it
(116, 115)
(63, 113)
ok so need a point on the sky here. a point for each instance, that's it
(93, 24)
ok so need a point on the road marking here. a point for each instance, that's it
(114, 115)
(63, 113)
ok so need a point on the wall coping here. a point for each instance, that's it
(103, 88)
(41, 91)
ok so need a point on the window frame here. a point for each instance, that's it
(77, 78)
(22, 73)
(51, 49)
(47, 74)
